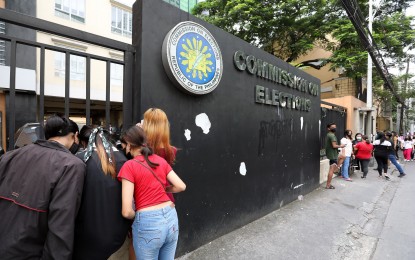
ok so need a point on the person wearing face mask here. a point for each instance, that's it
(332, 153)
(348, 154)
(73, 128)
(363, 151)
(382, 149)
(391, 156)
(357, 139)
(396, 144)
(100, 230)
(40, 194)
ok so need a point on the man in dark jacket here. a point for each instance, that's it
(40, 194)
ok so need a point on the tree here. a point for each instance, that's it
(287, 29)
(291, 28)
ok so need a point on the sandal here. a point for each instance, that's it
(331, 187)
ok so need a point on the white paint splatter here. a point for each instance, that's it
(298, 186)
(187, 134)
(242, 169)
(302, 121)
(202, 121)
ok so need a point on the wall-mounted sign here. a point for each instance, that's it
(192, 58)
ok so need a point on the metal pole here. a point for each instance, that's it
(369, 100)
(12, 107)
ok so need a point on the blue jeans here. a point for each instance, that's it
(392, 158)
(345, 167)
(155, 234)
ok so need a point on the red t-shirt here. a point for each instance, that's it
(162, 153)
(148, 191)
(364, 150)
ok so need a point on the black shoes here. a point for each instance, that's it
(401, 175)
(363, 177)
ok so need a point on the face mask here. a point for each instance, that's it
(333, 130)
(359, 138)
(128, 155)
(74, 148)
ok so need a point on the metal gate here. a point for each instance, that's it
(25, 21)
(331, 113)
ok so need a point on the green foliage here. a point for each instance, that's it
(288, 29)
(291, 28)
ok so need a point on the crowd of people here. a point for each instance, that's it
(76, 195)
(358, 152)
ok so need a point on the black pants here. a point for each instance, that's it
(358, 163)
(365, 166)
(382, 162)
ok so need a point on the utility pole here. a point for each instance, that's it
(369, 99)
(405, 87)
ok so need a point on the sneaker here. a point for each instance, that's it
(348, 179)
(387, 177)
(401, 175)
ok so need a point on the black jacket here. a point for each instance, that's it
(40, 194)
(100, 229)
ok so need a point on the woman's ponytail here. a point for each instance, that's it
(146, 152)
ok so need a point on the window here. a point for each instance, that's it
(71, 9)
(117, 71)
(121, 21)
(2, 45)
(185, 5)
(77, 66)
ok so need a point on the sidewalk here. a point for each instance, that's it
(365, 219)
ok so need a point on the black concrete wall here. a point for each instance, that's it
(281, 157)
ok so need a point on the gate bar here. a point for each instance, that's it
(67, 78)
(88, 91)
(42, 86)
(127, 105)
(108, 96)
(12, 121)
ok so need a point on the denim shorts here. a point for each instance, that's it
(155, 233)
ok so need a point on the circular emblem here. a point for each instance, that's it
(192, 58)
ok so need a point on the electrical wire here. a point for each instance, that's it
(366, 38)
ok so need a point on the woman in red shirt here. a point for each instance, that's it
(155, 227)
(363, 151)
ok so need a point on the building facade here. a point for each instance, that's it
(109, 18)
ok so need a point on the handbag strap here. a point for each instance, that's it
(148, 168)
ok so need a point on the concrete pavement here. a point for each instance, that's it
(365, 219)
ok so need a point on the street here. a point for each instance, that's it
(368, 218)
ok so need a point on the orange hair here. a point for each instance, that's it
(157, 129)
